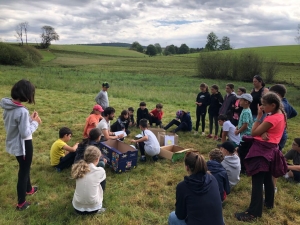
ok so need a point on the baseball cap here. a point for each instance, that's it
(98, 108)
(246, 96)
(105, 84)
(228, 146)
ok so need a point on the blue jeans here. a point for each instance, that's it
(283, 140)
(173, 220)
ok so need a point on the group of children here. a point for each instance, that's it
(247, 141)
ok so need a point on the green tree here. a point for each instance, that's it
(212, 42)
(170, 50)
(225, 43)
(183, 49)
(151, 50)
(48, 34)
(158, 48)
(137, 47)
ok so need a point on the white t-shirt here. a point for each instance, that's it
(104, 125)
(88, 194)
(152, 146)
(228, 126)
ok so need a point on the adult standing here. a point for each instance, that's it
(257, 92)
(102, 97)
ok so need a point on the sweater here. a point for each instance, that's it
(219, 172)
(186, 118)
(157, 114)
(198, 200)
(204, 98)
(228, 105)
(102, 99)
(232, 165)
(119, 125)
(216, 101)
(18, 125)
(142, 114)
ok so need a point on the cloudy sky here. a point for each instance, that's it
(247, 22)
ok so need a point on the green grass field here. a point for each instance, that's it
(66, 84)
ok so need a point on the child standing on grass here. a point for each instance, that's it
(102, 97)
(142, 113)
(62, 155)
(19, 126)
(228, 131)
(197, 196)
(216, 101)
(156, 115)
(294, 154)
(244, 127)
(237, 109)
(122, 123)
(92, 121)
(131, 117)
(264, 159)
(218, 171)
(202, 101)
(88, 194)
(148, 143)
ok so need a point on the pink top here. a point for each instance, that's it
(275, 132)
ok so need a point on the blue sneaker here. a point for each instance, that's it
(143, 159)
(155, 158)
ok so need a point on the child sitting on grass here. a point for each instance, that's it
(94, 139)
(228, 130)
(185, 123)
(92, 120)
(122, 123)
(131, 117)
(156, 115)
(294, 154)
(218, 171)
(231, 163)
(142, 113)
(62, 155)
(88, 194)
(148, 143)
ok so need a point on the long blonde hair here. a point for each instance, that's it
(81, 168)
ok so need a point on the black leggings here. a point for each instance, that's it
(202, 116)
(24, 184)
(256, 205)
(213, 118)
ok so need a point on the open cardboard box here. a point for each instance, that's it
(161, 138)
(173, 152)
(156, 131)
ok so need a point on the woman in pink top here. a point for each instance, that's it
(264, 159)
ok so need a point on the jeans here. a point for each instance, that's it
(213, 118)
(181, 125)
(283, 140)
(256, 204)
(155, 120)
(67, 161)
(173, 220)
(24, 184)
(201, 116)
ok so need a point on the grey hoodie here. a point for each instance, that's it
(18, 126)
(232, 165)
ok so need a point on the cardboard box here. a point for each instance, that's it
(156, 131)
(162, 137)
(120, 156)
(173, 152)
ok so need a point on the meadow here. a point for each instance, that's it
(67, 82)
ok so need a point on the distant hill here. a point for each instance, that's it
(114, 44)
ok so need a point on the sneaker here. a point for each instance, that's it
(33, 191)
(209, 136)
(275, 190)
(245, 217)
(195, 132)
(216, 137)
(23, 206)
(102, 210)
(143, 159)
(155, 158)
(203, 133)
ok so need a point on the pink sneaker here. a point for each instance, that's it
(209, 136)
(216, 137)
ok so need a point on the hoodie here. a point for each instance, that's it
(228, 105)
(18, 126)
(198, 200)
(186, 118)
(232, 165)
(219, 172)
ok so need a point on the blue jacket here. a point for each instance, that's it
(186, 118)
(198, 200)
(289, 110)
(219, 172)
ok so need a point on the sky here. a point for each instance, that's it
(248, 23)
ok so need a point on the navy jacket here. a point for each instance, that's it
(198, 200)
(289, 110)
(142, 114)
(216, 101)
(204, 98)
(228, 105)
(219, 172)
(186, 118)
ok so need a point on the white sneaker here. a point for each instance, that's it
(275, 190)
(203, 133)
(195, 132)
(102, 210)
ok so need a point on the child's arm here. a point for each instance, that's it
(224, 135)
(145, 138)
(69, 148)
(243, 128)
(259, 128)
(294, 167)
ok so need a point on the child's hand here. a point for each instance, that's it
(105, 160)
(236, 132)
(34, 114)
(133, 141)
(265, 136)
(259, 111)
(151, 114)
(37, 119)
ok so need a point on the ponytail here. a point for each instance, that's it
(195, 162)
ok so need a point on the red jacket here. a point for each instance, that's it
(157, 114)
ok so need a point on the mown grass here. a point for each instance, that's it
(145, 195)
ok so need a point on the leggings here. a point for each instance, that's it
(211, 119)
(24, 184)
(202, 116)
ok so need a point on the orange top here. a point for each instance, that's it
(275, 132)
(91, 122)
